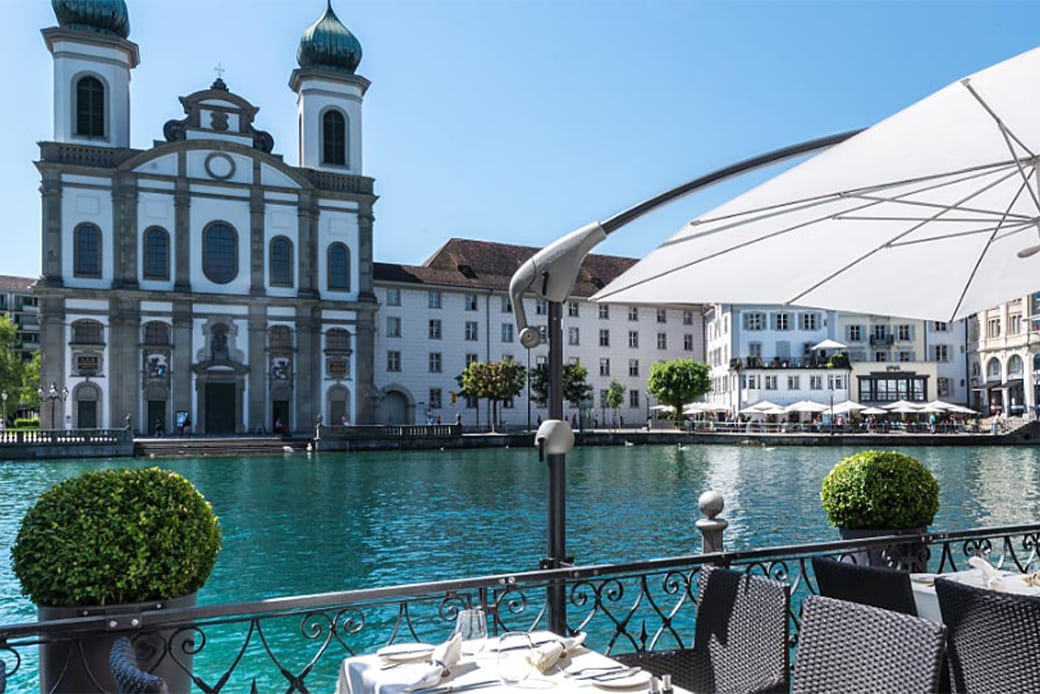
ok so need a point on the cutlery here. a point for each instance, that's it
(610, 675)
(602, 669)
(443, 689)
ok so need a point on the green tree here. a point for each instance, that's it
(575, 383)
(28, 393)
(615, 396)
(678, 382)
(13, 371)
(496, 381)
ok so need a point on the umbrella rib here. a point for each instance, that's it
(1011, 229)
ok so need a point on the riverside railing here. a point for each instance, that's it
(297, 643)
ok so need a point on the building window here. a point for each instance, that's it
(281, 262)
(604, 366)
(604, 338)
(633, 339)
(687, 317)
(337, 340)
(334, 138)
(904, 333)
(435, 398)
(993, 327)
(471, 302)
(507, 305)
(662, 315)
(815, 382)
(573, 337)
(541, 307)
(435, 328)
(687, 342)
(435, 362)
(941, 352)
(156, 254)
(433, 299)
(156, 333)
(543, 333)
(88, 332)
(633, 367)
(754, 321)
(662, 340)
(783, 321)
(880, 356)
(794, 382)
(220, 253)
(90, 107)
(471, 330)
(633, 313)
(87, 260)
(810, 321)
(906, 356)
(572, 309)
(393, 326)
(1015, 324)
(604, 311)
(633, 398)
(836, 382)
(855, 333)
(339, 267)
(507, 332)
(279, 337)
(393, 361)
(942, 385)
(470, 358)
(940, 327)
(770, 381)
(393, 297)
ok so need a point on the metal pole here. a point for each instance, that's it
(529, 390)
(557, 476)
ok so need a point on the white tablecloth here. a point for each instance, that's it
(927, 601)
(369, 674)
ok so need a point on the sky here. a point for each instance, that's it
(517, 121)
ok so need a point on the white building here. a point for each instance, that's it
(1004, 358)
(455, 308)
(203, 276)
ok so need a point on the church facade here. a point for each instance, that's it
(203, 278)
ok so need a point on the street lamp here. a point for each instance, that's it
(52, 394)
(550, 274)
(3, 397)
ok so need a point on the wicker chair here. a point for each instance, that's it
(130, 679)
(993, 638)
(888, 589)
(740, 639)
(847, 647)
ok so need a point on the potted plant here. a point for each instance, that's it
(873, 493)
(114, 542)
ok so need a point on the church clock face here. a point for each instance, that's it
(220, 165)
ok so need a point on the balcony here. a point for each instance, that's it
(882, 340)
(837, 361)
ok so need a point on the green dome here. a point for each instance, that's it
(102, 16)
(329, 45)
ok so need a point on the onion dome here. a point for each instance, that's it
(329, 45)
(101, 16)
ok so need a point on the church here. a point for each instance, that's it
(203, 281)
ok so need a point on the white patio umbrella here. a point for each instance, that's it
(873, 410)
(849, 406)
(940, 195)
(761, 406)
(663, 408)
(903, 405)
(807, 406)
(828, 344)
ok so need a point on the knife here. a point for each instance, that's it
(443, 689)
(611, 675)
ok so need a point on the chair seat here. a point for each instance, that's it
(693, 671)
(130, 679)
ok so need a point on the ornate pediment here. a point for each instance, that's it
(216, 113)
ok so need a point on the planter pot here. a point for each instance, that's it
(907, 556)
(75, 666)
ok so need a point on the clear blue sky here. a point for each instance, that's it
(518, 121)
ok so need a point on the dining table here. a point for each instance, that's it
(392, 671)
(927, 602)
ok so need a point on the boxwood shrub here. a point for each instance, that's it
(880, 490)
(115, 537)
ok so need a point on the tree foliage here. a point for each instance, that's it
(495, 381)
(575, 383)
(678, 382)
(20, 380)
(615, 395)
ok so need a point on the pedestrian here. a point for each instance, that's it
(186, 428)
(574, 421)
(158, 427)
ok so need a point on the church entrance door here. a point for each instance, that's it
(220, 408)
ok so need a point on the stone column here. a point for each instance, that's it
(124, 362)
(307, 395)
(307, 235)
(711, 505)
(364, 366)
(256, 234)
(182, 234)
(183, 356)
(259, 365)
(51, 193)
(124, 231)
(53, 342)
(364, 252)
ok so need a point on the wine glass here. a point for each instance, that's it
(472, 626)
(514, 657)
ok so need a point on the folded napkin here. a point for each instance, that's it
(548, 654)
(991, 577)
(442, 660)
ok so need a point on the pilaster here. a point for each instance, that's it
(256, 233)
(364, 356)
(365, 219)
(307, 233)
(182, 229)
(308, 396)
(182, 357)
(52, 351)
(124, 231)
(259, 366)
(124, 361)
(51, 193)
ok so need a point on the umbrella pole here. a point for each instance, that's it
(557, 478)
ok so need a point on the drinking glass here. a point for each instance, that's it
(472, 626)
(514, 657)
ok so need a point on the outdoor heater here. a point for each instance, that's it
(550, 274)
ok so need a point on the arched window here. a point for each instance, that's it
(156, 254)
(88, 332)
(220, 253)
(156, 333)
(1015, 367)
(339, 267)
(334, 138)
(87, 251)
(993, 370)
(281, 337)
(281, 262)
(90, 107)
(337, 340)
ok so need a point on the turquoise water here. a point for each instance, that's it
(297, 525)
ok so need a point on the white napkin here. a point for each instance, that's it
(548, 654)
(992, 577)
(442, 660)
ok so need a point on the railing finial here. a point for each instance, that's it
(711, 504)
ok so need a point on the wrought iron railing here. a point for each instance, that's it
(297, 643)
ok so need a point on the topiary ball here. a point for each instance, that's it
(880, 490)
(116, 537)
